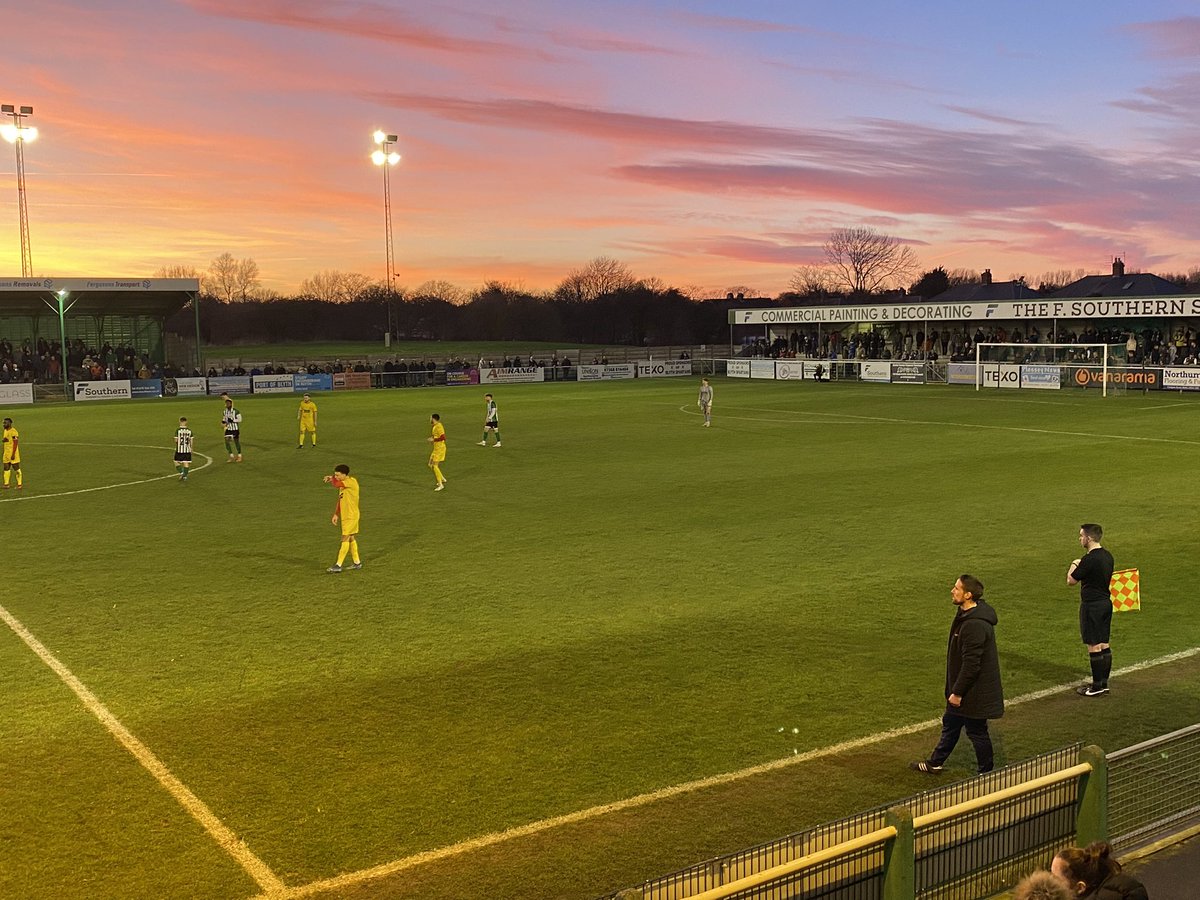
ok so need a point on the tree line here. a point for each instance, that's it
(602, 302)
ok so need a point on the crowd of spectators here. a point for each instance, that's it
(41, 362)
(1148, 346)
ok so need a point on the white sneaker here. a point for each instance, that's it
(497, 444)
(482, 443)
(440, 487)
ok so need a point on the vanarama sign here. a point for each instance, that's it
(1150, 379)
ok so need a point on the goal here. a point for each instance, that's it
(1050, 366)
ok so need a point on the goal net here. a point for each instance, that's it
(1051, 366)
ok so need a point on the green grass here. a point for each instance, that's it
(615, 602)
(355, 350)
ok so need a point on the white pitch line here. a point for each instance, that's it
(229, 842)
(895, 421)
(103, 487)
(498, 837)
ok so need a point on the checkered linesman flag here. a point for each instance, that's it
(1125, 590)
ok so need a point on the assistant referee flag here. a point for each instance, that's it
(1125, 590)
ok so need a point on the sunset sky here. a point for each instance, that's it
(711, 144)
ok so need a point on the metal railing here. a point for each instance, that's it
(1153, 786)
(974, 836)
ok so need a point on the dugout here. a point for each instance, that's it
(129, 312)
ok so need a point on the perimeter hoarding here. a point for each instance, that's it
(273, 384)
(102, 390)
(304, 383)
(675, 368)
(908, 373)
(1144, 379)
(15, 393)
(1181, 379)
(351, 381)
(737, 368)
(876, 371)
(463, 376)
(185, 387)
(1042, 378)
(229, 384)
(512, 375)
(607, 373)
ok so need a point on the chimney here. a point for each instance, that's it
(1118, 267)
(986, 277)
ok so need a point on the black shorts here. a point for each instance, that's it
(1095, 621)
(183, 457)
(492, 424)
(230, 435)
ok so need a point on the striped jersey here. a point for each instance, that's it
(232, 420)
(183, 440)
(492, 414)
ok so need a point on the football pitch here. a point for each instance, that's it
(534, 684)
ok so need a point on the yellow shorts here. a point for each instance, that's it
(14, 459)
(437, 456)
(349, 526)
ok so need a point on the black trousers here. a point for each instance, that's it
(977, 730)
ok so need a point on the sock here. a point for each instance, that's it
(437, 473)
(179, 470)
(20, 478)
(485, 437)
(342, 550)
(238, 443)
(7, 475)
(314, 438)
(1098, 674)
(497, 435)
(302, 439)
(1105, 665)
(229, 446)
(354, 552)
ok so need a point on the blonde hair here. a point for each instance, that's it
(1042, 885)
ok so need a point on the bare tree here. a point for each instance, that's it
(222, 277)
(812, 281)
(441, 290)
(334, 286)
(247, 279)
(863, 261)
(181, 271)
(603, 275)
(963, 276)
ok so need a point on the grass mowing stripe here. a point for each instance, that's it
(103, 487)
(196, 807)
(391, 868)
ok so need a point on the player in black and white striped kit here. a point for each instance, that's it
(183, 449)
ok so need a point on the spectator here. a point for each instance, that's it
(1042, 885)
(1091, 872)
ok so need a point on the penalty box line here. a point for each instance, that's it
(228, 841)
(361, 876)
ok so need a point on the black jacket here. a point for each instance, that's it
(1119, 887)
(973, 665)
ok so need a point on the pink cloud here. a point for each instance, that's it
(361, 20)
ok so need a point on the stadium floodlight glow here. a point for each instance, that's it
(18, 134)
(385, 157)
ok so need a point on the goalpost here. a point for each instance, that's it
(1044, 365)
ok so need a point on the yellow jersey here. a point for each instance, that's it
(439, 442)
(12, 449)
(347, 507)
(308, 410)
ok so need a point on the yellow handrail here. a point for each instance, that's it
(1025, 787)
(805, 862)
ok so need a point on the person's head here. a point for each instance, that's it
(967, 591)
(8, 423)
(228, 403)
(183, 421)
(435, 418)
(1090, 534)
(704, 381)
(306, 396)
(341, 470)
(1084, 869)
(1042, 885)
(487, 396)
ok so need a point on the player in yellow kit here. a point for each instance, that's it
(347, 512)
(12, 454)
(308, 420)
(437, 454)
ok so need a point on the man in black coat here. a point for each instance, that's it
(973, 691)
